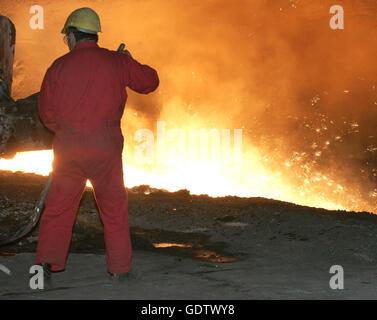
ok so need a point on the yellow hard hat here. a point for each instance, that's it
(83, 19)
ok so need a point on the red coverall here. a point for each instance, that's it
(82, 100)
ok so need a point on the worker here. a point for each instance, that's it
(82, 100)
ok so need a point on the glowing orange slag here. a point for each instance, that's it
(201, 177)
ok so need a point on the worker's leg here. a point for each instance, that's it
(111, 197)
(57, 220)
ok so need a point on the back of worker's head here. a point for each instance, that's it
(83, 24)
(82, 36)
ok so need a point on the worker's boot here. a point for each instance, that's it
(121, 277)
(46, 270)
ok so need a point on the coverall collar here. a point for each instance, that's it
(86, 44)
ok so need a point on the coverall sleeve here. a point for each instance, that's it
(139, 77)
(46, 102)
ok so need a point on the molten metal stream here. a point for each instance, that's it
(199, 178)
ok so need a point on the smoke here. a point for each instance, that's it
(305, 95)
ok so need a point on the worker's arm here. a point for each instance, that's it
(45, 102)
(139, 77)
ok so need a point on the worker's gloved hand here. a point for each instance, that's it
(122, 49)
(127, 52)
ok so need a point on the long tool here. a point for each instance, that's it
(34, 216)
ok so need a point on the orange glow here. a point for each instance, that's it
(304, 95)
(169, 245)
(39, 162)
(207, 178)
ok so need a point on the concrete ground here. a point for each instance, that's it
(168, 278)
(197, 247)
